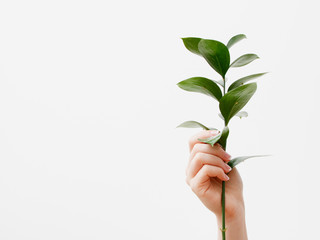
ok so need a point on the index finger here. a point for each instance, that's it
(203, 134)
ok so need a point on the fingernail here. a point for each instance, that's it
(227, 178)
(214, 131)
(228, 156)
(228, 168)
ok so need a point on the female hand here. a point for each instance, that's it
(206, 170)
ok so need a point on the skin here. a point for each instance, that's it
(206, 170)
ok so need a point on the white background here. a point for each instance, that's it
(89, 106)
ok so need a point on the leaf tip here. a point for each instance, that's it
(242, 35)
(179, 84)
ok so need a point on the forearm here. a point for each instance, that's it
(235, 226)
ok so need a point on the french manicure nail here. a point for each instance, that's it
(228, 168)
(214, 131)
(227, 178)
(228, 156)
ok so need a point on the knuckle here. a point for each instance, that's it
(198, 157)
(191, 141)
(206, 169)
(197, 147)
(201, 154)
(193, 185)
(201, 159)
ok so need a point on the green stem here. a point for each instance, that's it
(223, 193)
(223, 228)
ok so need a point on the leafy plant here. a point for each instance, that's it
(231, 100)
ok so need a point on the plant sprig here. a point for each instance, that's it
(231, 100)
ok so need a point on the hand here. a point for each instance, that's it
(206, 170)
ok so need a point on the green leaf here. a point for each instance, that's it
(242, 114)
(244, 60)
(232, 102)
(235, 161)
(201, 85)
(216, 54)
(193, 124)
(220, 116)
(211, 140)
(224, 136)
(235, 39)
(191, 44)
(243, 80)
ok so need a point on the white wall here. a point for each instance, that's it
(89, 105)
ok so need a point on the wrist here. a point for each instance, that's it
(234, 216)
(233, 211)
(235, 224)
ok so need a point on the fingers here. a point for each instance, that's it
(206, 161)
(201, 181)
(206, 148)
(201, 159)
